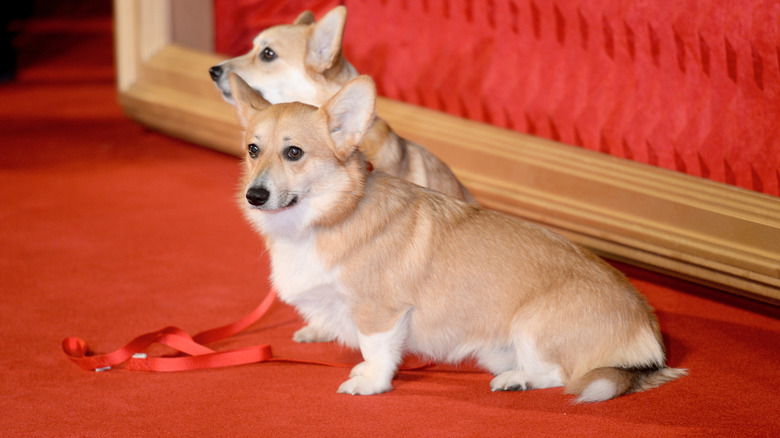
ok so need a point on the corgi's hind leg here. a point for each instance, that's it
(382, 353)
(530, 372)
(521, 380)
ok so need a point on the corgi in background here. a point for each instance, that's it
(303, 62)
(390, 267)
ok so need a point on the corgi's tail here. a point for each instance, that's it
(609, 382)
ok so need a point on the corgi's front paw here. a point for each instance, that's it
(362, 385)
(310, 333)
(357, 370)
(363, 382)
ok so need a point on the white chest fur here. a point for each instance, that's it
(304, 281)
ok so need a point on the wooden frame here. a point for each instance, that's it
(685, 226)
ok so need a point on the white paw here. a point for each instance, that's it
(310, 333)
(362, 385)
(509, 381)
(357, 370)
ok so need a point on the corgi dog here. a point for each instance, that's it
(303, 62)
(390, 267)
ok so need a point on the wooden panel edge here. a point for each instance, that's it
(141, 29)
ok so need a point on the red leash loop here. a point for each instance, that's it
(213, 335)
(197, 355)
(194, 356)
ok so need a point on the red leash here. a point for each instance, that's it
(194, 355)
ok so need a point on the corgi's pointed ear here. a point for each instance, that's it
(324, 44)
(350, 114)
(306, 17)
(248, 101)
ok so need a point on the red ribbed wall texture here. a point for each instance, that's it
(692, 86)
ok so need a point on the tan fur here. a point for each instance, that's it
(388, 266)
(297, 75)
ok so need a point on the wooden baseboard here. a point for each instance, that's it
(685, 226)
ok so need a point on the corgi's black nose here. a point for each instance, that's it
(215, 72)
(257, 196)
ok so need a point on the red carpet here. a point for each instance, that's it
(110, 231)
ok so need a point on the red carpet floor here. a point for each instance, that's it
(110, 230)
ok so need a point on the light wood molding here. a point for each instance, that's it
(685, 226)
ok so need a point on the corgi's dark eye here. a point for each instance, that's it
(267, 54)
(293, 153)
(253, 150)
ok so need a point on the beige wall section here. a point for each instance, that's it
(670, 222)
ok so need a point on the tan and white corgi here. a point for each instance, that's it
(303, 62)
(390, 267)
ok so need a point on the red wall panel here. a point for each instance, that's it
(692, 86)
